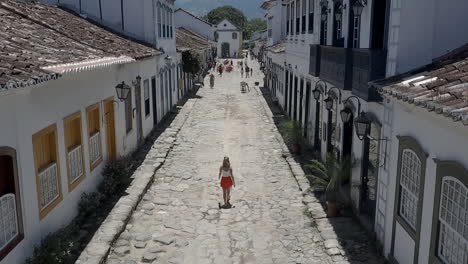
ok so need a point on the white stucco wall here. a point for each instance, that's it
(234, 44)
(30, 110)
(447, 141)
(278, 26)
(420, 31)
(182, 19)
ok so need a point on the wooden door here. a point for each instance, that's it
(109, 121)
(138, 113)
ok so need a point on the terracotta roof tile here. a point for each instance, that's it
(33, 36)
(187, 39)
(277, 48)
(441, 86)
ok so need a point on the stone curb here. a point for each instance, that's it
(328, 237)
(99, 246)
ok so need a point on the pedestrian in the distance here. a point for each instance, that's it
(212, 80)
(242, 72)
(247, 71)
(226, 178)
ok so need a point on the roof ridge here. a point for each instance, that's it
(196, 17)
(14, 10)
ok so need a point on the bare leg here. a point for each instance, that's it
(225, 196)
(228, 195)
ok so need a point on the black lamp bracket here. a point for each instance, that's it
(357, 99)
(339, 93)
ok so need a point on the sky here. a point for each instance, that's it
(250, 8)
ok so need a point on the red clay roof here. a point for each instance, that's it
(441, 87)
(34, 36)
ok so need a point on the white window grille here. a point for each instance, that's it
(453, 218)
(75, 163)
(49, 185)
(95, 147)
(356, 31)
(409, 183)
(8, 221)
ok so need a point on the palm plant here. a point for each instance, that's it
(292, 130)
(330, 174)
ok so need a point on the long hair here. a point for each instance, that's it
(226, 163)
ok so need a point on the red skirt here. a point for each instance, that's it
(226, 182)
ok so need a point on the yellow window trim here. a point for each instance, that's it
(44, 212)
(66, 121)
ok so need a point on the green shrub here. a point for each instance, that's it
(56, 248)
(116, 174)
(88, 205)
(63, 246)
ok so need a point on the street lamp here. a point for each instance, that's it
(329, 100)
(122, 90)
(328, 103)
(338, 16)
(324, 16)
(358, 6)
(318, 89)
(362, 124)
(346, 113)
(316, 92)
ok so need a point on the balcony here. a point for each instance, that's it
(335, 66)
(368, 65)
(314, 66)
(349, 69)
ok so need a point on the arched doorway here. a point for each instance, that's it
(225, 50)
(11, 227)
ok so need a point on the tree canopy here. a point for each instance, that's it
(237, 17)
(226, 12)
(253, 25)
(190, 63)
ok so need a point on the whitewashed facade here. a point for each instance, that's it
(331, 49)
(229, 38)
(151, 22)
(183, 18)
(426, 194)
(62, 122)
(72, 95)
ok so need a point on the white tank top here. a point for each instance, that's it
(225, 173)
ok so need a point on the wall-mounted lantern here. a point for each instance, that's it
(362, 124)
(358, 6)
(317, 91)
(346, 113)
(122, 90)
(329, 100)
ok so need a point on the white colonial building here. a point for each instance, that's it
(333, 49)
(229, 38)
(426, 209)
(149, 22)
(62, 117)
(258, 41)
(185, 19)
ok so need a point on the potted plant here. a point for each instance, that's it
(328, 176)
(292, 131)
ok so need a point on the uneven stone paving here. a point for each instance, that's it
(178, 220)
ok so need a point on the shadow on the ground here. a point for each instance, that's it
(91, 225)
(359, 246)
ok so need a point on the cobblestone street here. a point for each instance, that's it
(178, 220)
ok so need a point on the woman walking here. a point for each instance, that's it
(227, 181)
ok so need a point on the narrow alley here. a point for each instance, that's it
(178, 220)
